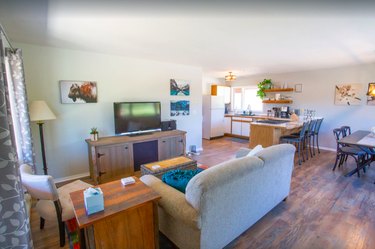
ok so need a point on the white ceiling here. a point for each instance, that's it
(219, 36)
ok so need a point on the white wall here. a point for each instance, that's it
(318, 93)
(207, 81)
(118, 79)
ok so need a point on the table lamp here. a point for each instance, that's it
(40, 112)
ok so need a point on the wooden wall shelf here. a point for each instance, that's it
(273, 90)
(283, 101)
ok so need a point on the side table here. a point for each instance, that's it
(129, 218)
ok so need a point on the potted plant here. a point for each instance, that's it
(94, 134)
(265, 84)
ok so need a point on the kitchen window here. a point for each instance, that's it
(245, 97)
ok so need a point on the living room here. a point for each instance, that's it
(56, 47)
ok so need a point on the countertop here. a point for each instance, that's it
(288, 125)
(257, 116)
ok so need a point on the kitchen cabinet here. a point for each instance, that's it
(219, 90)
(227, 125)
(236, 127)
(245, 128)
(241, 126)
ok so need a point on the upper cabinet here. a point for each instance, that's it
(219, 90)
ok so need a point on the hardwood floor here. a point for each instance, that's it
(324, 209)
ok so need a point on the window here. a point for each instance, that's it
(245, 98)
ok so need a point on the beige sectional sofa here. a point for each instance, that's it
(225, 200)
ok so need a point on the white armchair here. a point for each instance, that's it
(52, 202)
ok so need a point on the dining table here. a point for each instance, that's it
(365, 140)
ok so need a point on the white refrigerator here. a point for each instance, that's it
(213, 116)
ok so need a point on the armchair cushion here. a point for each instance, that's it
(46, 208)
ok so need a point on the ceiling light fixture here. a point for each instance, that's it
(230, 77)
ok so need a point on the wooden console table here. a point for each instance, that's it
(112, 158)
(129, 219)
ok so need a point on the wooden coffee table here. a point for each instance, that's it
(181, 162)
(129, 218)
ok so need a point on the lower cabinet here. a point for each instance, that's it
(241, 126)
(171, 147)
(114, 162)
(112, 158)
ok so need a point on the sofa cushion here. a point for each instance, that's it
(179, 179)
(256, 150)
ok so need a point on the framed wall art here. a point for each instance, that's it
(180, 108)
(179, 87)
(371, 94)
(348, 94)
(78, 92)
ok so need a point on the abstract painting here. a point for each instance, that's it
(348, 94)
(179, 87)
(180, 108)
(371, 94)
(78, 92)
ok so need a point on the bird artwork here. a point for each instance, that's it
(179, 87)
(348, 94)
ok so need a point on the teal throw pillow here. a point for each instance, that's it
(179, 179)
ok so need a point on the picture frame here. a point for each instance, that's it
(179, 87)
(298, 88)
(371, 94)
(348, 94)
(180, 108)
(78, 92)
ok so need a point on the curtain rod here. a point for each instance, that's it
(2, 30)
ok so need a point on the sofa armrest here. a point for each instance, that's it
(173, 201)
(242, 152)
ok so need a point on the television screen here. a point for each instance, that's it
(136, 116)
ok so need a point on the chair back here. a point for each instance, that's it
(317, 126)
(311, 127)
(39, 186)
(304, 128)
(346, 131)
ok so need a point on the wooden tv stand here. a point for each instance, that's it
(112, 158)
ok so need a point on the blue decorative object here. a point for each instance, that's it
(179, 179)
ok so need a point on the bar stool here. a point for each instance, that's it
(300, 139)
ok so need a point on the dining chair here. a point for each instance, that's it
(297, 139)
(343, 151)
(316, 134)
(310, 132)
(53, 203)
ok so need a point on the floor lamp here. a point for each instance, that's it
(40, 112)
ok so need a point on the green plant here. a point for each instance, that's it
(94, 130)
(265, 84)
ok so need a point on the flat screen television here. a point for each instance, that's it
(136, 117)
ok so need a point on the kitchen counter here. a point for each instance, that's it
(257, 116)
(269, 134)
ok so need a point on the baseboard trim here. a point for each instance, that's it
(70, 178)
(327, 148)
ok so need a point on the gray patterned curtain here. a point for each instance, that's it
(14, 221)
(20, 111)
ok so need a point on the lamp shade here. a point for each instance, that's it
(39, 111)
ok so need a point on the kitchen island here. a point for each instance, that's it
(267, 133)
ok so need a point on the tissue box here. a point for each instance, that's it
(94, 201)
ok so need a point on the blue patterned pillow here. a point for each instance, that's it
(179, 179)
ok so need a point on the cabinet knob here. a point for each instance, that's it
(102, 173)
(126, 147)
(100, 154)
(163, 141)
